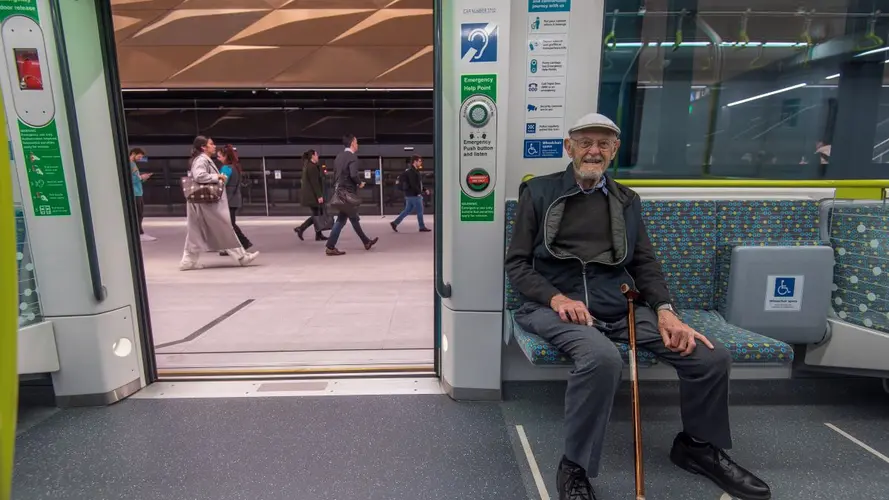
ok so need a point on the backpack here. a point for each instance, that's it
(401, 181)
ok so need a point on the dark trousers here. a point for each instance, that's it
(316, 211)
(703, 379)
(341, 223)
(243, 239)
(140, 212)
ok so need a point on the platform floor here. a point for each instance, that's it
(809, 439)
(294, 306)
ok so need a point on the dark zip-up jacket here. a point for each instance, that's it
(540, 270)
(414, 185)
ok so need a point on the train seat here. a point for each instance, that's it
(693, 239)
(858, 237)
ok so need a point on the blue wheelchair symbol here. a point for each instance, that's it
(784, 287)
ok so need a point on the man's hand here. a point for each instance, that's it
(571, 311)
(679, 337)
(361, 186)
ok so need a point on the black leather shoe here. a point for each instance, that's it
(714, 464)
(573, 483)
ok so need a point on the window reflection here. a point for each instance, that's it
(724, 88)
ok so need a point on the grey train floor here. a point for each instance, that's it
(430, 447)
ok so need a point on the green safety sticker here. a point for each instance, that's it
(478, 84)
(46, 177)
(40, 145)
(27, 8)
(476, 209)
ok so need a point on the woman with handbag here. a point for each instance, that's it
(209, 220)
(312, 196)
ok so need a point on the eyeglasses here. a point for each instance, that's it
(602, 144)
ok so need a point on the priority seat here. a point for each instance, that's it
(686, 235)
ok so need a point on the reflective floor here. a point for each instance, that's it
(373, 439)
(294, 307)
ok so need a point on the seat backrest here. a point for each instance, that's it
(683, 233)
(859, 235)
(513, 300)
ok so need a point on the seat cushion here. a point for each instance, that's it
(541, 352)
(745, 346)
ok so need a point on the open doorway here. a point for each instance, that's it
(295, 309)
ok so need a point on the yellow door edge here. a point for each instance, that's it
(9, 383)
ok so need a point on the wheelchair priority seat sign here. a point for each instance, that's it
(784, 293)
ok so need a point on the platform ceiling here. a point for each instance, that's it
(274, 43)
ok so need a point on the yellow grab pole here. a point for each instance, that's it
(9, 384)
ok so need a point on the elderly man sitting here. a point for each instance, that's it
(578, 236)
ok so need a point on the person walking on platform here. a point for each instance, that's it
(231, 169)
(136, 155)
(579, 236)
(347, 182)
(311, 193)
(209, 224)
(411, 184)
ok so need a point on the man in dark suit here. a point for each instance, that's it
(347, 178)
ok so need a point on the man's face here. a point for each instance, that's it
(355, 145)
(210, 147)
(591, 152)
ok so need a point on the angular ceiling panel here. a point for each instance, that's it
(129, 22)
(343, 66)
(117, 5)
(238, 66)
(273, 43)
(411, 4)
(415, 71)
(394, 26)
(337, 4)
(148, 66)
(196, 27)
(300, 26)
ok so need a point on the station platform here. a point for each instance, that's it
(294, 306)
(394, 439)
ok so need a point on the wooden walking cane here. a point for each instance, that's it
(632, 295)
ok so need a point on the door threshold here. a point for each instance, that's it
(248, 373)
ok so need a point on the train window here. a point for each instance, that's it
(725, 88)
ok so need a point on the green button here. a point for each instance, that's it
(477, 115)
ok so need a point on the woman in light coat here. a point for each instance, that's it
(209, 224)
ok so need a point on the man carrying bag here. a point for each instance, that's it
(345, 200)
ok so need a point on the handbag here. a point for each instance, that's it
(201, 193)
(344, 200)
(323, 222)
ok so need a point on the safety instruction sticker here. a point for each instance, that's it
(546, 75)
(34, 105)
(478, 153)
(784, 293)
